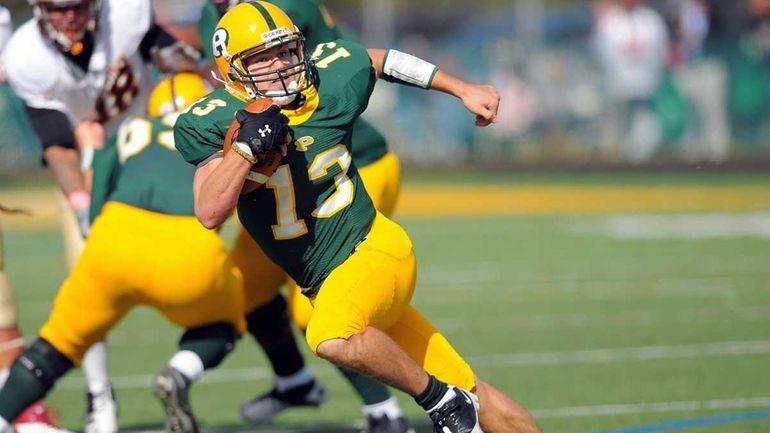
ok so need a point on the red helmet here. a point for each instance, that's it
(67, 22)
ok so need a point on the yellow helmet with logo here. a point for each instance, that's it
(175, 93)
(249, 29)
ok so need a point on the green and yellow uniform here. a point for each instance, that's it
(379, 168)
(315, 220)
(143, 246)
(316, 188)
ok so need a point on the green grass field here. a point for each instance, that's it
(594, 323)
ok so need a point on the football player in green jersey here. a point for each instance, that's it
(143, 244)
(381, 174)
(312, 215)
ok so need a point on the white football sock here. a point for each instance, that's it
(95, 369)
(302, 377)
(188, 363)
(447, 396)
(4, 426)
(389, 408)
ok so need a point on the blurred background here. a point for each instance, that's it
(600, 254)
(583, 83)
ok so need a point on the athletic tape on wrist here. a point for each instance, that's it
(257, 177)
(244, 151)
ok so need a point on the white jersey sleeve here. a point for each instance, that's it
(28, 64)
(6, 27)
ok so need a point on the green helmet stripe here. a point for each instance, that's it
(265, 15)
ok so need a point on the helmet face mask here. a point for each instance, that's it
(261, 78)
(66, 22)
(259, 53)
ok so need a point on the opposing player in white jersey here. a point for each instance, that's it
(81, 67)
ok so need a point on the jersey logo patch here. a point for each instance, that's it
(304, 142)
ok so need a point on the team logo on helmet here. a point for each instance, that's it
(219, 43)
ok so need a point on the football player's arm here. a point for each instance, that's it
(61, 155)
(106, 169)
(392, 65)
(217, 186)
(166, 52)
(60, 152)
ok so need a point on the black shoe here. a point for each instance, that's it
(173, 391)
(384, 424)
(265, 407)
(458, 415)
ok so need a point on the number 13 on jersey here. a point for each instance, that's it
(289, 226)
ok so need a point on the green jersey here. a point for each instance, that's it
(140, 166)
(313, 210)
(317, 26)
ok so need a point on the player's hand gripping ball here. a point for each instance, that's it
(261, 131)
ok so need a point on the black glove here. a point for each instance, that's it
(263, 132)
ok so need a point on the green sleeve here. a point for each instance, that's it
(194, 141)
(106, 171)
(347, 81)
(206, 26)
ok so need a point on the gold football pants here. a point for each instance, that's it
(137, 257)
(374, 287)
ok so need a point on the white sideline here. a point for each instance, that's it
(592, 356)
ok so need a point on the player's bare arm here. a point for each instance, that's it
(216, 188)
(219, 183)
(480, 99)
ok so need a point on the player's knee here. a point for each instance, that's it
(212, 343)
(44, 363)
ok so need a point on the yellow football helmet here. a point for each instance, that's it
(249, 29)
(175, 93)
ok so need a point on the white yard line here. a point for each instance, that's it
(644, 353)
(658, 407)
(689, 226)
(592, 356)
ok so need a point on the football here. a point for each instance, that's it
(257, 106)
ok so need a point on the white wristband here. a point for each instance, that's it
(408, 68)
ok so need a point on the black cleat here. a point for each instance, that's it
(172, 389)
(458, 415)
(265, 407)
(384, 424)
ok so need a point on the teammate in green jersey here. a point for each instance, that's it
(313, 217)
(380, 172)
(143, 244)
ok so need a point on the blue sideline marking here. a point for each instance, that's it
(693, 422)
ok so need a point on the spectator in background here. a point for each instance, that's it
(707, 136)
(631, 40)
(740, 33)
